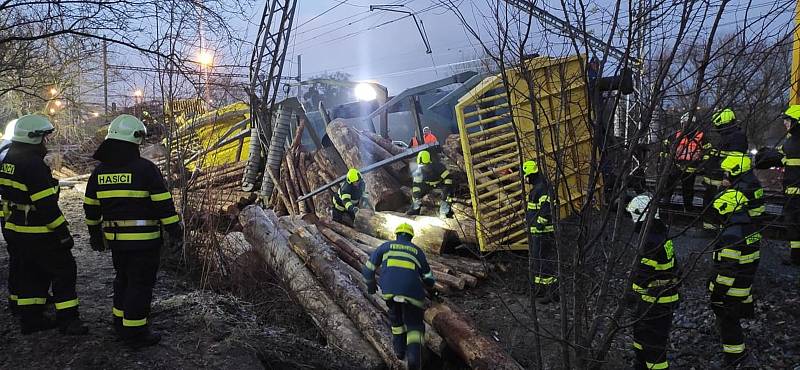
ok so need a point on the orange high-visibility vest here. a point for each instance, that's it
(689, 147)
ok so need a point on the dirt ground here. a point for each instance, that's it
(201, 329)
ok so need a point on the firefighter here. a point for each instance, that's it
(427, 137)
(728, 139)
(687, 157)
(736, 257)
(346, 201)
(13, 262)
(788, 157)
(127, 205)
(36, 229)
(739, 176)
(428, 176)
(654, 283)
(405, 275)
(539, 220)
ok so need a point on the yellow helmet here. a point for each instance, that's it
(736, 165)
(404, 228)
(353, 176)
(723, 117)
(424, 157)
(793, 112)
(530, 168)
(730, 201)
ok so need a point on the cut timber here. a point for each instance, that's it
(340, 332)
(429, 233)
(322, 260)
(384, 143)
(476, 350)
(381, 186)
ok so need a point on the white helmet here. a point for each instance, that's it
(127, 128)
(685, 118)
(31, 129)
(9, 133)
(638, 207)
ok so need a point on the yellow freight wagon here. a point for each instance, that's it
(555, 128)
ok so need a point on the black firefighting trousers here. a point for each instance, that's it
(14, 274)
(133, 287)
(651, 334)
(730, 328)
(545, 263)
(408, 331)
(42, 267)
(791, 216)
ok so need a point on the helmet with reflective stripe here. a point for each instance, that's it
(530, 168)
(736, 164)
(353, 176)
(723, 117)
(793, 113)
(730, 201)
(127, 128)
(424, 157)
(638, 207)
(9, 133)
(404, 228)
(31, 128)
(685, 118)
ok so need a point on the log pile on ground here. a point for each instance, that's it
(316, 257)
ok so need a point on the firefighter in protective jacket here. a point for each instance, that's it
(654, 288)
(127, 204)
(736, 256)
(788, 157)
(539, 220)
(428, 176)
(36, 229)
(13, 260)
(728, 139)
(405, 275)
(347, 200)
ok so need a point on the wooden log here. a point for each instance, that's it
(261, 231)
(471, 346)
(290, 190)
(322, 203)
(381, 186)
(428, 235)
(384, 143)
(331, 161)
(321, 259)
(449, 280)
(283, 193)
(295, 181)
(470, 280)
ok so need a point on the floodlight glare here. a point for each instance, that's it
(365, 92)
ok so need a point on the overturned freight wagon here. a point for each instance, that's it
(545, 117)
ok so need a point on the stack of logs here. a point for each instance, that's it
(320, 262)
(302, 172)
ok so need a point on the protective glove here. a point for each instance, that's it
(65, 240)
(352, 211)
(174, 237)
(433, 294)
(372, 288)
(97, 241)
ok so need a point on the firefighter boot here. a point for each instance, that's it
(747, 361)
(547, 294)
(141, 337)
(73, 327)
(414, 357)
(399, 345)
(12, 306)
(445, 210)
(416, 207)
(34, 321)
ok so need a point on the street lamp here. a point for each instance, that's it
(96, 114)
(138, 93)
(205, 58)
(58, 103)
(52, 110)
(53, 91)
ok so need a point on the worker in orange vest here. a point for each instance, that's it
(427, 137)
(687, 157)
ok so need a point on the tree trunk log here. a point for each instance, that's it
(476, 350)
(384, 143)
(261, 231)
(429, 232)
(381, 186)
(322, 260)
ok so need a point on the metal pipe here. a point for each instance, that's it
(283, 118)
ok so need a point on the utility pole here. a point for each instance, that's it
(299, 78)
(105, 78)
